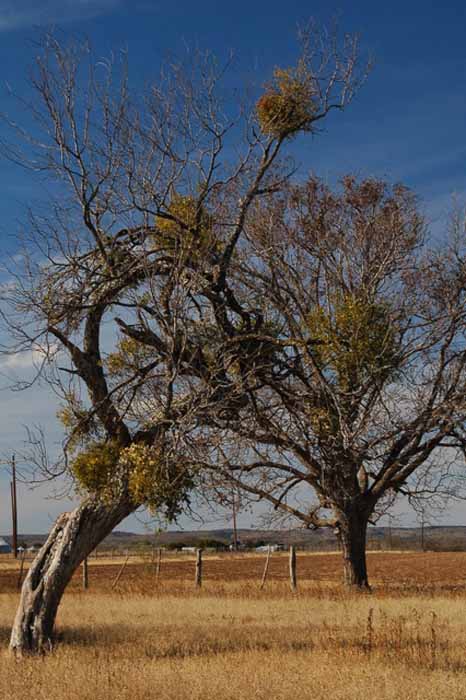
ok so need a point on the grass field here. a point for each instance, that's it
(231, 640)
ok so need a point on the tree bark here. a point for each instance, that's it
(353, 532)
(71, 540)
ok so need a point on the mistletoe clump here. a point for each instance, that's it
(78, 421)
(186, 226)
(156, 480)
(95, 467)
(129, 356)
(355, 341)
(289, 105)
(150, 478)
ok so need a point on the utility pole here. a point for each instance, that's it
(14, 507)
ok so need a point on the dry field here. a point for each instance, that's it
(404, 572)
(230, 640)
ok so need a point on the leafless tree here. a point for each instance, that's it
(150, 197)
(346, 345)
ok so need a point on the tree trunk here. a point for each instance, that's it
(353, 531)
(71, 540)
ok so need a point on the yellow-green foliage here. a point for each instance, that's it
(151, 478)
(77, 420)
(143, 463)
(130, 355)
(94, 467)
(190, 228)
(288, 105)
(355, 340)
(155, 480)
(324, 421)
(67, 417)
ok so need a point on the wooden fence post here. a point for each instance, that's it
(292, 568)
(198, 575)
(158, 564)
(85, 575)
(266, 569)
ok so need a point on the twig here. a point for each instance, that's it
(121, 571)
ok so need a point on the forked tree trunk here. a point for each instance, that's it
(353, 533)
(72, 538)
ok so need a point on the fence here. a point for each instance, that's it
(159, 558)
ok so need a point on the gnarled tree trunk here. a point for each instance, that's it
(72, 539)
(353, 531)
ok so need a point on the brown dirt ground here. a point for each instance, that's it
(410, 571)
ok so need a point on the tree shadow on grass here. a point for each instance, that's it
(175, 642)
(5, 633)
(170, 641)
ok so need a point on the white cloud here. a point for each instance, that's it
(28, 13)
(30, 359)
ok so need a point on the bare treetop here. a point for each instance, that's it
(153, 192)
(346, 345)
(125, 274)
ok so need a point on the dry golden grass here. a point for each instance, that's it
(232, 641)
(212, 646)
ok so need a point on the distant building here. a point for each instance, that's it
(278, 547)
(4, 546)
(239, 546)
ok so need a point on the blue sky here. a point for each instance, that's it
(407, 124)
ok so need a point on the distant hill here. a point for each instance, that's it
(441, 538)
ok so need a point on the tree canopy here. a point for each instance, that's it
(346, 351)
(116, 276)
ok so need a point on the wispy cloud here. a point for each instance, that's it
(29, 359)
(28, 13)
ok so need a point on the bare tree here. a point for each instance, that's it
(152, 193)
(346, 344)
